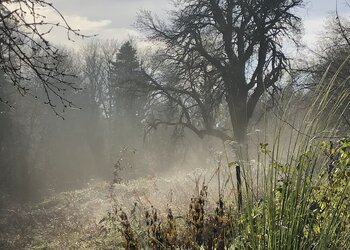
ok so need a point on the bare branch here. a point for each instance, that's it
(25, 52)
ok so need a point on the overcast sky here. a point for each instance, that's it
(115, 19)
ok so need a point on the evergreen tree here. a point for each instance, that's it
(130, 98)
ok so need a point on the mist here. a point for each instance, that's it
(198, 130)
(68, 148)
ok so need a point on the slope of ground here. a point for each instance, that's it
(70, 220)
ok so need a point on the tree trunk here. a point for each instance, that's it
(240, 129)
(239, 116)
(237, 104)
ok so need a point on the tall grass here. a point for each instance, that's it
(305, 189)
(295, 194)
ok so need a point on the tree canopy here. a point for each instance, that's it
(222, 53)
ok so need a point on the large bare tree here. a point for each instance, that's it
(219, 54)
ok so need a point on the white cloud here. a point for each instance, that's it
(102, 28)
(86, 25)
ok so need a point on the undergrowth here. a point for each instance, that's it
(304, 206)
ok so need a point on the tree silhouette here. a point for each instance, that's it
(26, 53)
(221, 54)
(129, 94)
(330, 62)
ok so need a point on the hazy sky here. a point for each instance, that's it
(114, 19)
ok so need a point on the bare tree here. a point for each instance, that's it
(98, 95)
(224, 54)
(330, 62)
(25, 51)
(97, 73)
